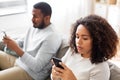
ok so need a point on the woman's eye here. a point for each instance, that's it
(77, 36)
(85, 38)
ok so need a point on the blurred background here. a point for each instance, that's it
(15, 15)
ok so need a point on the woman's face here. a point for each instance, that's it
(83, 41)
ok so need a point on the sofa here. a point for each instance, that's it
(114, 70)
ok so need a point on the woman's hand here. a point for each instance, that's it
(64, 74)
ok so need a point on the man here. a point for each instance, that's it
(40, 45)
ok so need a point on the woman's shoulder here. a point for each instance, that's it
(100, 67)
(100, 71)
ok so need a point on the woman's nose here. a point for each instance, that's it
(79, 41)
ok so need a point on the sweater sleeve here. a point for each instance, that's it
(47, 49)
(100, 72)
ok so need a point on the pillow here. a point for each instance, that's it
(114, 71)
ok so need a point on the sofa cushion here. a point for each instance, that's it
(63, 48)
(114, 71)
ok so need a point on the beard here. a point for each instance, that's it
(40, 26)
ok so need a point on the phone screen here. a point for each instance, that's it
(56, 62)
(3, 33)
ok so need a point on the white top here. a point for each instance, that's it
(40, 45)
(83, 69)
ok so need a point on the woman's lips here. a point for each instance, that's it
(79, 48)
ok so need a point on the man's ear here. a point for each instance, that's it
(47, 18)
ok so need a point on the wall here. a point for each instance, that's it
(65, 13)
(111, 12)
(14, 25)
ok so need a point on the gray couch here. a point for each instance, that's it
(114, 71)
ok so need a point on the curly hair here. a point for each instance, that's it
(104, 38)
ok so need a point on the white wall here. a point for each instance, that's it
(110, 13)
(10, 21)
(65, 13)
(114, 18)
(14, 24)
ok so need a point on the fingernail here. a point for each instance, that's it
(60, 63)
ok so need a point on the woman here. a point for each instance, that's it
(93, 42)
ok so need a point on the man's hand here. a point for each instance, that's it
(11, 44)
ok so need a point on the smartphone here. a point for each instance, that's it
(56, 62)
(4, 33)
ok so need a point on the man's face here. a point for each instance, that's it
(38, 19)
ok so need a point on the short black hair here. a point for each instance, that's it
(44, 7)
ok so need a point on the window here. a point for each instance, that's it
(12, 6)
